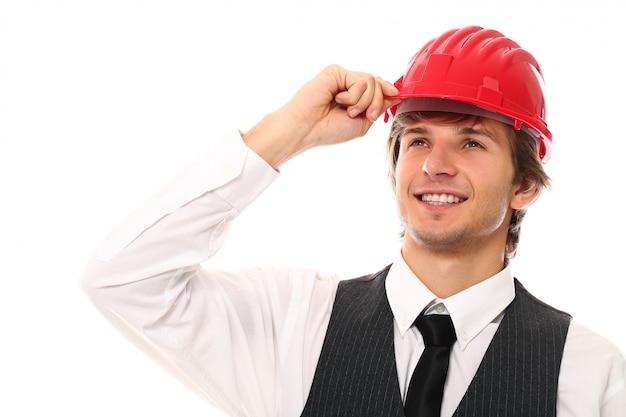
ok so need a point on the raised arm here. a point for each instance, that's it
(227, 334)
(334, 107)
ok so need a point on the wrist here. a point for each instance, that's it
(276, 139)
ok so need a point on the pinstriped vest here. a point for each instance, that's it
(356, 374)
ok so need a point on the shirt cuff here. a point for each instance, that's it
(254, 176)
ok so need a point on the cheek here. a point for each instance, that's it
(400, 180)
(406, 172)
(498, 194)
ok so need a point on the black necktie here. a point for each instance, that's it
(426, 387)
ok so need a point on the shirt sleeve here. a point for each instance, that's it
(226, 334)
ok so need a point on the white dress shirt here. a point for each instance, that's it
(248, 341)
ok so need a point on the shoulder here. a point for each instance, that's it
(583, 340)
(378, 276)
(593, 368)
(529, 301)
(365, 284)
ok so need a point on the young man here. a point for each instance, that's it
(466, 148)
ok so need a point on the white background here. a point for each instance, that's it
(102, 102)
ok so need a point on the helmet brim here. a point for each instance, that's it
(417, 104)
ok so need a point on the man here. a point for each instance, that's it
(466, 149)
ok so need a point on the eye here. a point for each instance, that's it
(416, 142)
(474, 144)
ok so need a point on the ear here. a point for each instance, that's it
(524, 194)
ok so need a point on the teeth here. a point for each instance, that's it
(440, 199)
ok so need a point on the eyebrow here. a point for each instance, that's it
(475, 131)
(416, 130)
(459, 131)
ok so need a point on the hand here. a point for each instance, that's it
(334, 107)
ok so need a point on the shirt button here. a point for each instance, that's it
(463, 336)
(440, 308)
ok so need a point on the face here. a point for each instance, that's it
(454, 185)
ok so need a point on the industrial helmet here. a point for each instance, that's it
(480, 72)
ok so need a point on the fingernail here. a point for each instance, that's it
(354, 112)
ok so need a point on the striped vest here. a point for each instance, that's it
(356, 374)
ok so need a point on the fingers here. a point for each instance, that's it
(365, 95)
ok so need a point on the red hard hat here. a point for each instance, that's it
(478, 71)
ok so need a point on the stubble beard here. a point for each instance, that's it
(462, 238)
(450, 241)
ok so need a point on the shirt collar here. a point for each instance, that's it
(471, 310)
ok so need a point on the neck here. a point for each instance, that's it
(446, 272)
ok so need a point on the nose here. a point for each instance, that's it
(439, 161)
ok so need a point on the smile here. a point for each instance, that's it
(440, 199)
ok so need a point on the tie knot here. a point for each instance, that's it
(436, 329)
